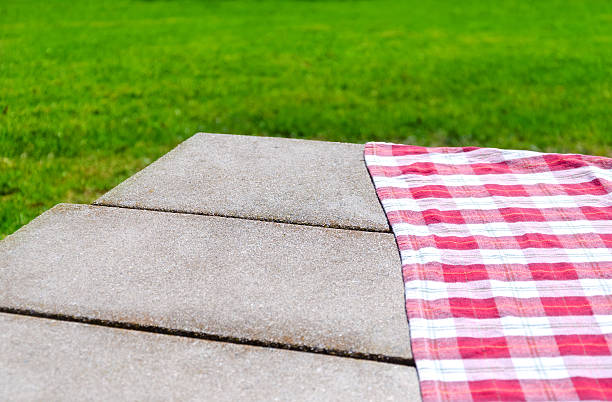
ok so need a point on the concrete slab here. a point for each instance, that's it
(43, 359)
(313, 287)
(277, 179)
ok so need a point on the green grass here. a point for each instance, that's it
(92, 91)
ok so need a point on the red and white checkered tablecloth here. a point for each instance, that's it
(507, 264)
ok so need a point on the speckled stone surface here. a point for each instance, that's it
(43, 359)
(278, 179)
(297, 285)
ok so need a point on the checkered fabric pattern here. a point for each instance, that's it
(507, 263)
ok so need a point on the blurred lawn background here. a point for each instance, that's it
(93, 91)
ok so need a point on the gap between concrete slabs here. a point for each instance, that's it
(271, 179)
(309, 288)
(43, 359)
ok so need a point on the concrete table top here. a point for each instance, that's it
(334, 290)
(277, 179)
(43, 359)
(234, 267)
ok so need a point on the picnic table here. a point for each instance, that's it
(234, 267)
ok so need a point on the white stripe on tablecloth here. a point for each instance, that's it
(505, 256)
(572, 176)
(461, 327)
(501, 229)
(494, 202)
(459, 158)
(485, 289)
(521, 368)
